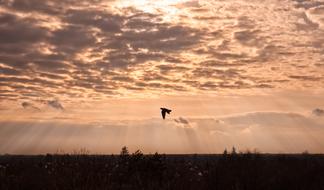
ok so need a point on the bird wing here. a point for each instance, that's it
(163, 114)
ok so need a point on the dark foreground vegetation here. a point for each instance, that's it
(137, 171)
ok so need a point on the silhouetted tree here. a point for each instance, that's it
(225, 152)
(238, 170)
(138, 153)
(233, 150)
(124, 151)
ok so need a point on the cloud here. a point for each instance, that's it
(310, 78)
(182, 120)
(28, 105)
(55, 104)
(249, 38)
(105, 49)
(318, 112)
(106, 22)
(16, 30)
(72, 39)
(271, 119)
(307, 4)
(51, 103)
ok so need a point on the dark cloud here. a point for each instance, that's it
(308, 23)
(228, 55)
(15, 30)
(31, 81)
(249, 38)
(160, 86)
(165, 69)
(102, 20)
(245, 22)
(182, 120)
(72, 39)
(31, 5)
(51, 7)
(228, 78)
(123, 78)
(55, 104)
(28, 105)
(318, 112)
(307, 4)
(155, 76)
(304, 77)
(9, 71)
(150, 44)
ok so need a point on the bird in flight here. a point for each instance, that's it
(165, 110)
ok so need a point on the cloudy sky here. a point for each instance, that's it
(94, 73)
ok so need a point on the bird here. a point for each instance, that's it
(165, 110)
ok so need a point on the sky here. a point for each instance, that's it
(93, 74)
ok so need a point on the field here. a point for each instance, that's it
(137, 171)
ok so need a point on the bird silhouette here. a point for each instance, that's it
(165, 110)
